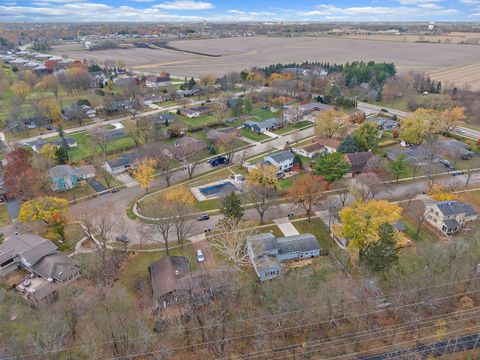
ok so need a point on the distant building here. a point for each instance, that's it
(449, 216)
(266, 252)
(64, 177)
(157, 81)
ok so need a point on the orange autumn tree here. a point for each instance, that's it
(308, 192)
(145, 172)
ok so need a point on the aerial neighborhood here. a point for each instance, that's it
(150, 209)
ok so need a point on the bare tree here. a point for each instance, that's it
(227, 143)
(262, 198)
(191, 154)
(366, 186)
(240, 157)
(101, 138)
(165, 224)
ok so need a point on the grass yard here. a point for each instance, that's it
(73, 234)
(286, 184)
(4, 215)
(77, 193)
(194, 122)
(262, 114)
(271, 229)
(292, 127)
(253, 136)
(317, 228)
(166, 103)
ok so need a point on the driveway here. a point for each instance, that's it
(286, 227)
(207, 253)
(126, 179)
(95, 185)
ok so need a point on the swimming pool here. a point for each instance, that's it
(217, 189)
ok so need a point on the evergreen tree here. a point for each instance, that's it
(349, 145)
(379, 256)
(399, 166)
(61, 155)
(232, 207)
(331, 166)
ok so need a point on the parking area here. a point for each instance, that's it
(207, 253)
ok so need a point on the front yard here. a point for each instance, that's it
(252, 135)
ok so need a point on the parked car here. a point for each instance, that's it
(457, 173)
(113, 191)
(203, 217)
(200, 257)
(446, 163)
(384, 110)
(461, 131)
(220, 160)
(122, 238)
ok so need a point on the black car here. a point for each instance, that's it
(203, 217)
(122, 238)
(113, 191)
(384, 110)
(220, 160)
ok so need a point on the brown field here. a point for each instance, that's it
(242, 53)
(452, 38)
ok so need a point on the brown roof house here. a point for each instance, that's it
(216, 134)
(358, 161)
(174, 283)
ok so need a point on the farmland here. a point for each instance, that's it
(240, 53)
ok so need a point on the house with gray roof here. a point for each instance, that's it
(413, 154)
(457, 148)
(384, 124)
(64, 177)
(122, 163)
(450, 216)
(262, 126)
(38, 256)
(267, 252)
(282, 160)
(311, 107)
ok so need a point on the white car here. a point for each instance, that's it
(200, 257)
(461, 131)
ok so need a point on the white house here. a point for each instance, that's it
(283, 160)
(449, 216)
(157, 81)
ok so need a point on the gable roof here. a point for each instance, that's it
(281, 156)
(329, 142)
(28, 246)
(358, 160)
(454, 207)
(316, 146)
(61, 171)
(56, 266)
(300, 242)
(123, 160)
(166, 272)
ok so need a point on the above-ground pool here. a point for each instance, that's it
(217, 189)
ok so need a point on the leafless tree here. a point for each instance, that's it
(191, 154)
(165, 224)
(262, 198)
(366, 186)
(240, 157)
(101, 138)
(227, 143)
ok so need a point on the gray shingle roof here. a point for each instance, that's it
(263, 242)
(166, 272)
(57, 266)
(123, 160)
(281, 156)
(60, 171)
(300, 242)
(451, 223)
(29, 246)
(455, 208)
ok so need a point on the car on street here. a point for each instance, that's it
(446, 163)
(219, 160)
(384, 110)
(457, 173)
(113, 191)
(461, 131)
(122, 239)
(203, 217)
(200, 256)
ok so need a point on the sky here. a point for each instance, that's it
(238, 10)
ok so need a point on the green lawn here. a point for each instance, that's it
(425, 233)
(202, 120)
(292, 127)
(73, 234)
(252, 136)
(77, 193)
(166, 103)
(4, 216)
(317, 228)
(273, 229)
(262, 114)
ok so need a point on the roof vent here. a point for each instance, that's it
(177, 273)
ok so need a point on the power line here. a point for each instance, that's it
(368, 332)
(278, 330)
(261, 317)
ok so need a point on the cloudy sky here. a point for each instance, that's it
(239, 10)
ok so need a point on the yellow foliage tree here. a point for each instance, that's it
(145, 172)
(48, 151)
(50, 108)
(49, 210)
(451, 118)
(328, 123)
(419, 124)
(263, 175)
(21, 90)
(361, 221)
(440, 193)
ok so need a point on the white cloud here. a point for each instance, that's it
(185, 5)
(470, 2)
(144, 1)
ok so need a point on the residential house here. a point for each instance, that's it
(127, 81)
(190, 113)
(202, 110)
(292, 115)
(449, 216)
(384, 124)
(64, 177)
(311, 150)
(216, 134)
(358, 161)
(233, 102)
(38, 256)
(121, 164)
(154, 81)
(37, 145)
(187, 93)
(282, 160)
(456, 148)
(413, 154)
(118, 106)
(266, 252)
(262, 126)
(173, 282)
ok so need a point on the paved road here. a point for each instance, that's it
(374, 109)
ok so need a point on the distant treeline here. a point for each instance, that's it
(277, 68)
